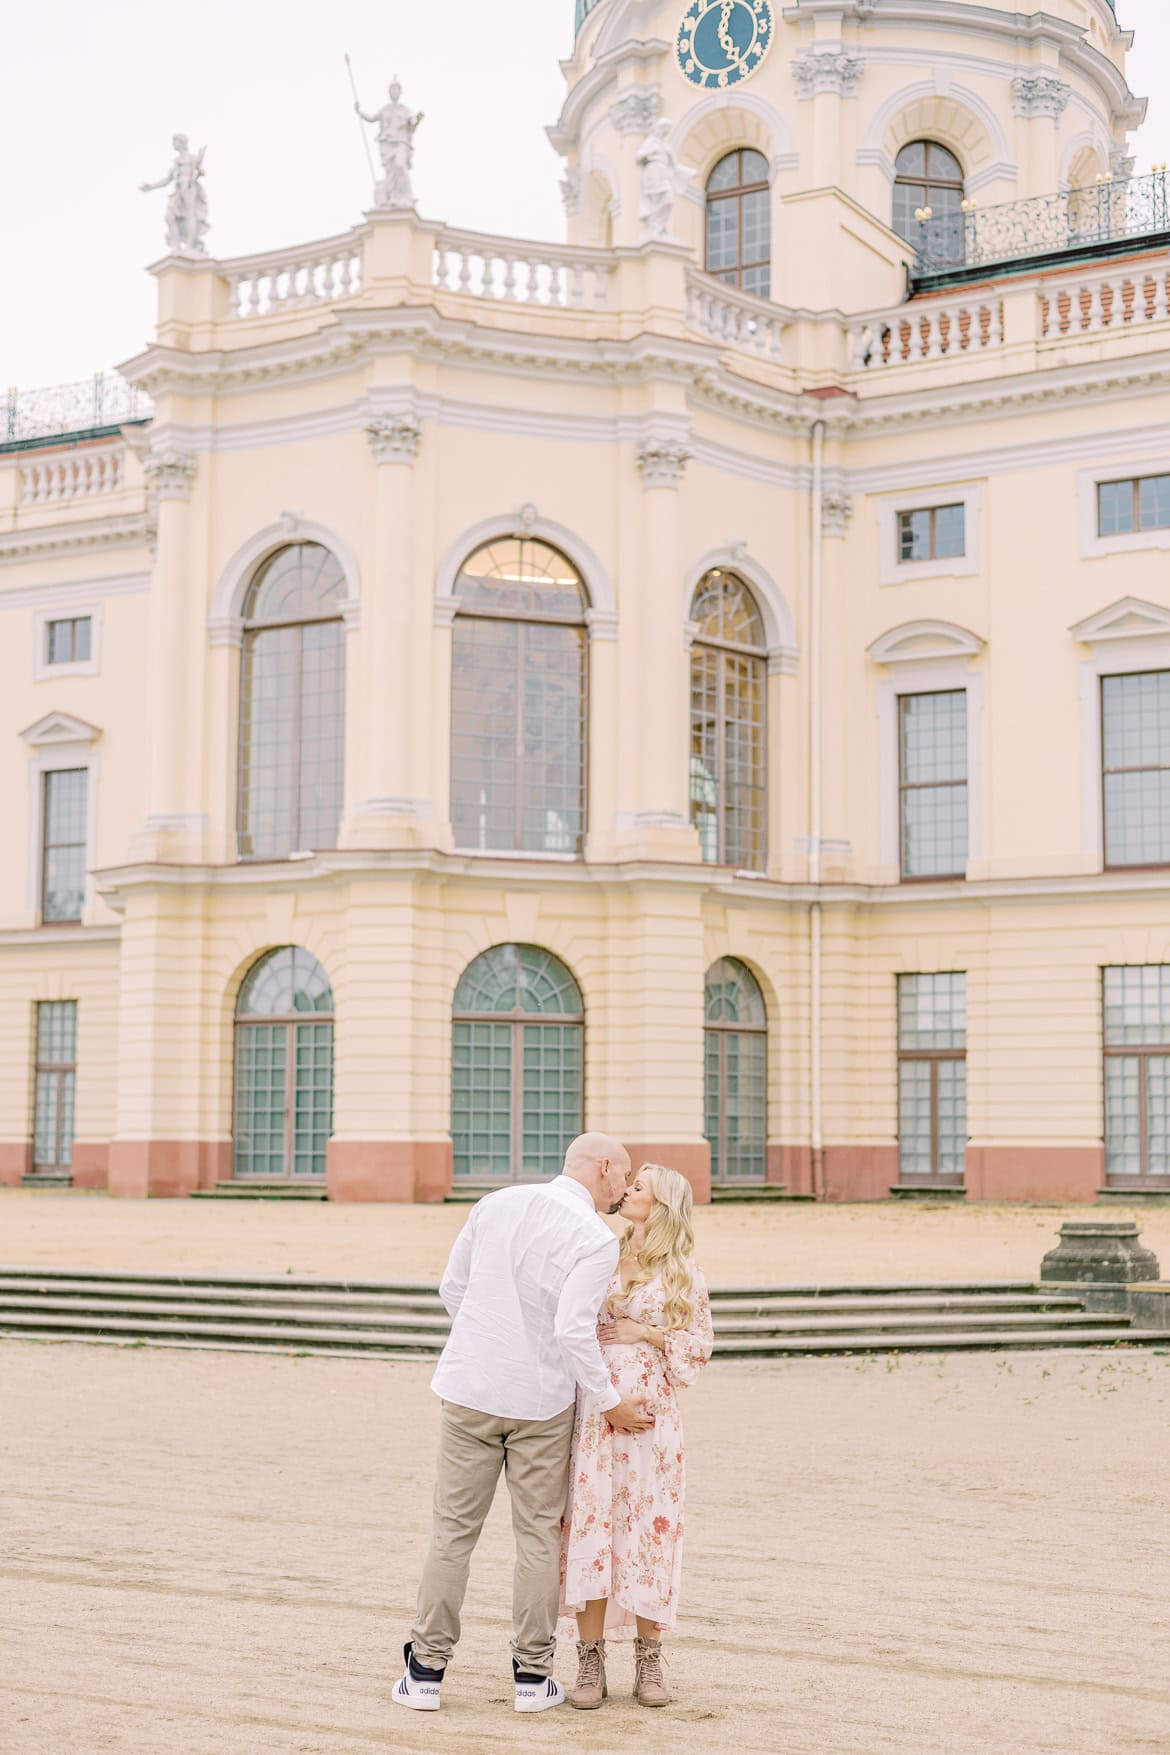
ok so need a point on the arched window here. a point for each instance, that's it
(925, 175)
(518, 701)
(729, 676)
(736, 1074)
(739, 222)
(292, 705)
(516, 1066)
(284, 1068)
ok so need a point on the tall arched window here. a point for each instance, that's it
(292, 705)
(518, 694)
(925, 175)
(516, 1066)
(729, 677)
(739, 222)
(736, 1074)
(284, 1068)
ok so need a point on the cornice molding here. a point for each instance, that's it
(133, 531)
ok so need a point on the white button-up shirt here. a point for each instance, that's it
(524, 1288)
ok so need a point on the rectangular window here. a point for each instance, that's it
(1137, 1074)
(932, 1079)
(935, 533)
(55, 1084)
(64, 810)
(1141, 503)
(69, 641)
(1135, 750)
(932, 736)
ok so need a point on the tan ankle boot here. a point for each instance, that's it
(591, 1688)
(649, 1683)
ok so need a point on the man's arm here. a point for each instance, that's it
(576, 1323)
(458, 1270)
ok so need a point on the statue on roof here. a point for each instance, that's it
(662, 176)
(186, 216)
(396, 125)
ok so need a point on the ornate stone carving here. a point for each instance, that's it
(571, 191)
(663, 461)
(832, 69)
(662, 176)
(170, 472)
(836, 511)
(186, 216)
(1040, 94)
(528, 516)
(396, 124)
(637, 111)
(394, 438)
(1121, 163)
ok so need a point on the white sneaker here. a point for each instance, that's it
(538, 1693)
(418, 1691)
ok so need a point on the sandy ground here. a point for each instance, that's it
(213, 1555)
(784, 1245)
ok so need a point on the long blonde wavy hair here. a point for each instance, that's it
(669, 1244)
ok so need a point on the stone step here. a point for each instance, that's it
(261, 1191)
(99, 1291)
(874, 1322)
(390, 1344)
(425, 1324)
(942, 1342)
(731, 1306)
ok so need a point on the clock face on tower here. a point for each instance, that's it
(722, 42)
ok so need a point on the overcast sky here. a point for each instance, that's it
(94, 91)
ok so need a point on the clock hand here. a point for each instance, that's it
(726, 40)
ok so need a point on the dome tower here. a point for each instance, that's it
(798, 122)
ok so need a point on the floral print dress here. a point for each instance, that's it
(622, 1535)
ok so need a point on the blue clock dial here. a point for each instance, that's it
(722, 42)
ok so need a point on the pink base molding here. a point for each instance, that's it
(691, 1159)
(790, 1167)
(860, 1172)
(389, 1170)
(1035, 1173)
(15, 1162)
(91, 1165)
(167, 1169)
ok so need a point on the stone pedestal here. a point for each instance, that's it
(1100, 1251)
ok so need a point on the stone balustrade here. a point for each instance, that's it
(287, 280)
(79, 476)
(1110, 300)
(928, 330)
(510, 270)
(737, 319)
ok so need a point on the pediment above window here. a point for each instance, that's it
(59, 728)
(914, 641)
(1130, 618)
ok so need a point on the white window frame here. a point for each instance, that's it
(1130, 636)
(57, 742)
(892, 571)
(1093, 545)
(912, 668)
(43, 671)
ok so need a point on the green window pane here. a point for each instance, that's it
(551, 1095)
(481, 1101)
(260, 1100)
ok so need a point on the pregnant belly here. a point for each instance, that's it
(638, 1376)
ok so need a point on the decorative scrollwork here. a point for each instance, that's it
(1047, 225)
(96, 403)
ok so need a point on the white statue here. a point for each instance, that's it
(187, 201)
(662, 176)
(396, 125)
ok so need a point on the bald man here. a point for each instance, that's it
(524, 1287)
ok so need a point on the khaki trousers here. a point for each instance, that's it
(534, 1455)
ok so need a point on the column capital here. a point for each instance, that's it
(170, 471)
(394, 438)
(663, 460)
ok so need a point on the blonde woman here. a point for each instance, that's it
(621, 1544)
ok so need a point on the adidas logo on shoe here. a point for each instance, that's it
(419, 1688)
(536, 1693)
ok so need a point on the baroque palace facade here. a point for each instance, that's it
(710, 679)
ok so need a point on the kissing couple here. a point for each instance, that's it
(566, 1354)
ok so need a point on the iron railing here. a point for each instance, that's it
(584, 8)
(1076, 220)
(58, 410)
